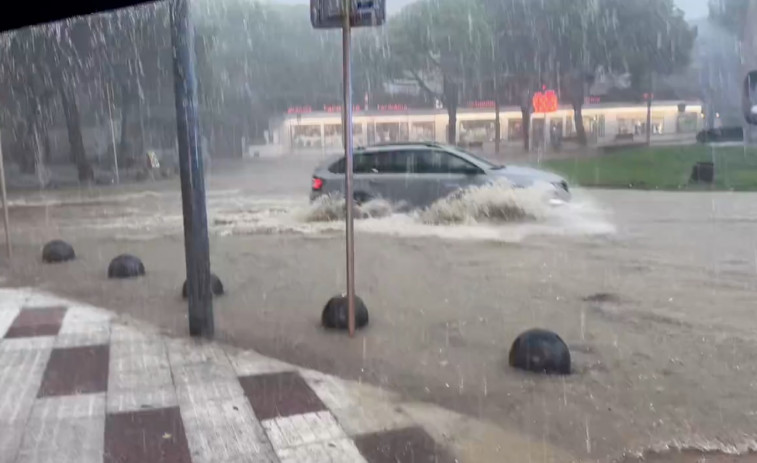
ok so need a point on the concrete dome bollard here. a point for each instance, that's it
(58, 251)
(540, 351)
(126, 266)
(335, 314)
(215, 285)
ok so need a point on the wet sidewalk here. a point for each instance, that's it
(78, 384)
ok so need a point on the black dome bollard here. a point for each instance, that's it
(335, 314)
(540, 351)
(215, 285)
(58, 251)
(126, 266)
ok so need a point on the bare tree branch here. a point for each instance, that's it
(423, 85)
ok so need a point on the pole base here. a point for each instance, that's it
(540, 351)
(216, 286)
(57, 251)
(335, 314)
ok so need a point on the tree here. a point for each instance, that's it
(264, 58)
(731, 14)
(565, 41)
(439, 44)
(48, 59)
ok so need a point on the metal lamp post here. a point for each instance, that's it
(197, 248)
(346, 14)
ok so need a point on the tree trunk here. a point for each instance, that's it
(23, 151)
(73, 127)
(123, 142)
(649, 119)
(497, 125)
(130, 145)
(525, 112)
(578, 120)
(451, 95)
(577, 89)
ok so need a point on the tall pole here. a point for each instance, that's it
(5, 202)
(349, 197)
(196, 246)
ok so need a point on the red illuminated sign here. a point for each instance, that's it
(299, 110)
(545, 101)
(592, 100)
(481, 104)
(330, 108)
(392, 107)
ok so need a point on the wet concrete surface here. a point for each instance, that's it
(658, 312)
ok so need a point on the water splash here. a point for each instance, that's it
(498, 203)
(491, 213)
(333, 208)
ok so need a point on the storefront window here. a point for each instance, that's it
(515, 129)
(687, 123)
(422, 131)
(476, 131)
(306, 136)
(570, 127)
(594, 126)
(637, 125)
(358, 135)
(332, 135)
(391, 132)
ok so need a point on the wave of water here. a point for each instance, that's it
(495, 212)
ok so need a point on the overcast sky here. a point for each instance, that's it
(694, 9)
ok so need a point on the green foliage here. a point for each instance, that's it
(270, 55)
(731, 14)
(662, 46)
(665, 168)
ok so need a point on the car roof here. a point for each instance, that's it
(398, 145)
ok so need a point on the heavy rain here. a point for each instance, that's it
(585, 167)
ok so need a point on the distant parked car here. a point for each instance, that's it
(418, 174)
(720, 135)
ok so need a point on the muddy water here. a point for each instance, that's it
(654, 292)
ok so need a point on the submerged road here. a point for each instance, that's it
(655, 292)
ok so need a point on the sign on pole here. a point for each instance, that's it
(545, 102)
(331, 14)
(346, 14)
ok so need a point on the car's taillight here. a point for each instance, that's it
(317, 183)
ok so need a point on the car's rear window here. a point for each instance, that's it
(337, 167)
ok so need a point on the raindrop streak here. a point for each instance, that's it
(588, 437)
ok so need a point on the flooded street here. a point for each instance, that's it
(653, 291)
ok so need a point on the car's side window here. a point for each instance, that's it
(440, 162)
(337, 167)
(402, 162)
(428, 162)
(419, 161)
(363, 163)
(456, 165)
(383, 163)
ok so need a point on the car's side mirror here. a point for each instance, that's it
(750, 98)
